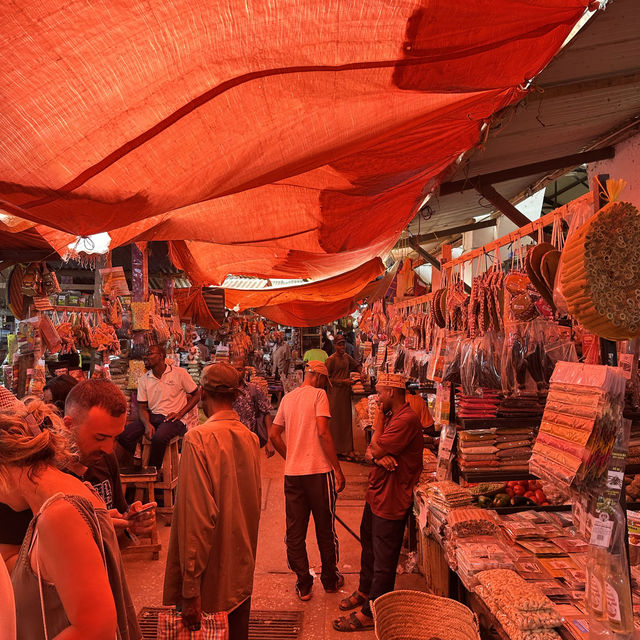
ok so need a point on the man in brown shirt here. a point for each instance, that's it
(214, 532)
(396, 450)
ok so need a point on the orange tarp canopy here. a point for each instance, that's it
(269, 137)
(344, 286)
(309, 313)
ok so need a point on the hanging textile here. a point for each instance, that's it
(191, 304)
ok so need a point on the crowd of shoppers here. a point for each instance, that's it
(64, 516)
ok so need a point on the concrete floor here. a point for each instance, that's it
(274, 583)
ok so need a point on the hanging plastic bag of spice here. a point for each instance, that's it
(452, 358)
(436, 358)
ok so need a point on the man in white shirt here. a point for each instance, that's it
(166, 393)
(312, 478)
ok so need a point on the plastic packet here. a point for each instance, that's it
(452, 358)
(436, 358)
(580, 211)
(515, 370)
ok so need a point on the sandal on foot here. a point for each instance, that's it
(352, 602)
(352, 623)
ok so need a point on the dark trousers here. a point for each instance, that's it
(164, 433)
(305, 495)
(381, 541)
(239, 621)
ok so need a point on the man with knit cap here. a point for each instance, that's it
(214, 531)
(312, 478)
(396, 450)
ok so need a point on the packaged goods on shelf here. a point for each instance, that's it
(357, 387)
(446, 495)
(471, 521)
(520, 606)
(429, 461)
(581, 418)
(505, 449)
(479, 554)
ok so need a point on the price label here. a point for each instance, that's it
(601, 531)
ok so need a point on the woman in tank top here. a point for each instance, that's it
(60, 581)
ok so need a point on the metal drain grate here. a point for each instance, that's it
(263, 625)
(275, 625)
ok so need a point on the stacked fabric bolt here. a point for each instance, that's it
(523, 611)
(372, 401)
(504, 448)
(362, 413)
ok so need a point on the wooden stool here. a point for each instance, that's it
(143, 479)
(167, 480)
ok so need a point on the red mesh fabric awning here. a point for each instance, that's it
(287, 126)
(344, 286)
(310, 313)
(191, 304)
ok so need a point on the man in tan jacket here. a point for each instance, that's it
(214, 532)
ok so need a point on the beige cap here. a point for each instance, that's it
(220, 378)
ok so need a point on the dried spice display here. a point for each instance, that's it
(582, 416)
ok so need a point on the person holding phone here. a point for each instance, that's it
(95, 413)
(68, 579)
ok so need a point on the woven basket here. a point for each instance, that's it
(414, 615)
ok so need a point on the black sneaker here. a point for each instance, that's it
(339, 585)
(304, 593)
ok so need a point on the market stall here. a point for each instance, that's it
(525, 518)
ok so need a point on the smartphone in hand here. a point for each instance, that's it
(145, 509)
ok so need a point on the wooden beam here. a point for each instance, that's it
(524, 171)
(27, 255)
(454, 231)
(504, 206)
(432, 260)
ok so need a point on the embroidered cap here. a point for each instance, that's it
(393, 380)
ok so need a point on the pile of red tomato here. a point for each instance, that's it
(531, 489)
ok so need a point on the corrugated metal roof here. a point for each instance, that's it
(245, 282)
(590, 91)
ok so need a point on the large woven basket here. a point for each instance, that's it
(414, 615)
